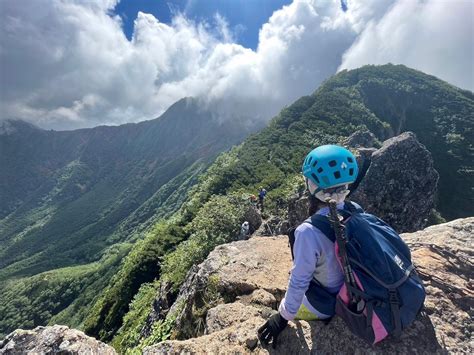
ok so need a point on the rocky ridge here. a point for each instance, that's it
(249, 278)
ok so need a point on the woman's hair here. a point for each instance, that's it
(314, 204)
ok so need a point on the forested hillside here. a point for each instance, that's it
(72, 203)
(383, 99)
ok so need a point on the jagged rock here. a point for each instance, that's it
(52, 340)
(232, 270)
(442, 253)
(160, 307)
(400, 184)
(273, 226)
(364, 158)
(298, 209)
(254, 218)
(361, 138)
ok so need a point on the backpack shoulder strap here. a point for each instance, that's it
(353, 207)
(291, 241)
(322, 223)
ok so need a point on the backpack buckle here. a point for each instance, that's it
(393, 297)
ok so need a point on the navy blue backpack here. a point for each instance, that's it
(382, 294)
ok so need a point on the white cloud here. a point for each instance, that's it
(436, 37)
(67, 64)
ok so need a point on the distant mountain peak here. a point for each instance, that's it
(11, 126)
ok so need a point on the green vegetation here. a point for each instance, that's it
(140, 266)
(217, 222)
(32, 301)
(383, 99)
(70, 198)
(135, 318)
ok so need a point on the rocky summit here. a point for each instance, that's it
(240, 284)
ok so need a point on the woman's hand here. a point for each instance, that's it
(271, 329)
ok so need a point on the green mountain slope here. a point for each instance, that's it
(385, 99)
(68, 198)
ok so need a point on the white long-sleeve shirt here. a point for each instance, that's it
(314, 258)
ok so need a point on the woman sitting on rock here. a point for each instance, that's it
(316, 274)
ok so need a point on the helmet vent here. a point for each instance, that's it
(314, 163)
(350, 160)
(351, 171)
(320, 170)
(309, 160)
(337, 174)
(315, 177)
(332, 163)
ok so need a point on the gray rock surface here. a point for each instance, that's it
(400, 184)
(57, 339)
(361, 138)
(442, 253)
(254, 218)
(274, 225)
(231, 270)
(298, 209)
(229, 314)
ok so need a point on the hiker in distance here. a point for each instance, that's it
(261, 196)
(244, 231)
(345, 261)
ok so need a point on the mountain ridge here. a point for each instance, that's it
(81, 198)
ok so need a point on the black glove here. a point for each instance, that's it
(271, 329)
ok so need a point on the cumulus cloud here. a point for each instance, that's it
(67, 64)
(433, 36)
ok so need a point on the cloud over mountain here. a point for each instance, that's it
(436, 37)
(67, 64)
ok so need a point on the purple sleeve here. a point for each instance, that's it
(306, 253)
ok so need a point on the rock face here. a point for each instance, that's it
(400, 184)
(230, 271)
(251, 276)
(52, 340)
(361, 138)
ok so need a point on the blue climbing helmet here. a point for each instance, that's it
(330, 166)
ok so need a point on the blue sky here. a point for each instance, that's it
(245, 17)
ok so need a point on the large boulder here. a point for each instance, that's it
(57, 339)
(400, 183)
(249, 271)
(230, 271)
